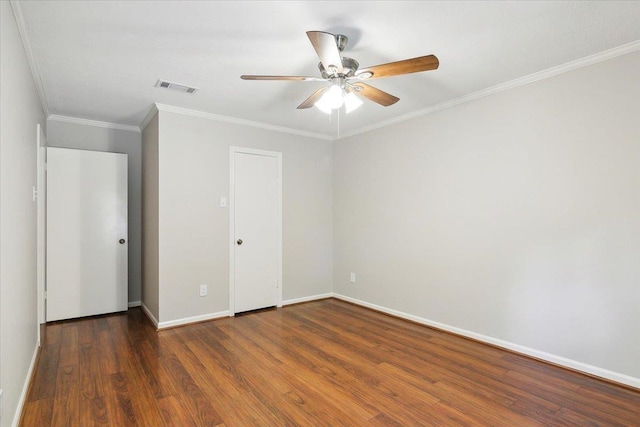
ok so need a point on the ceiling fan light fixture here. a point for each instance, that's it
(323, 105)
(364, 76)
(351, 102)
(334, 96)
(332, 99)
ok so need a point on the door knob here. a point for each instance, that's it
(239, 241)
(121, 241)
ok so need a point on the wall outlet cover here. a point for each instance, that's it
(203, 290)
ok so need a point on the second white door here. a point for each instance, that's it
(256, 227)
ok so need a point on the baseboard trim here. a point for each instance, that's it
(194, 319)
(27, 385)
(211, 316)
(307, 299)
(149, 315)
(622, 379)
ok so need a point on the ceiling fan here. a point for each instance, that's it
(346, 79)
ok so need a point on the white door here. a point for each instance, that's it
(86, 233)
(256, 229)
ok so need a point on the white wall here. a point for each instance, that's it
(95, 138)
(194, 231)
(21, 111)
(150, 254)
(516, 216)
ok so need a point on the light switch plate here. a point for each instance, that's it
(223, 202)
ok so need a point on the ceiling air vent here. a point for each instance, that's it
(176, 86)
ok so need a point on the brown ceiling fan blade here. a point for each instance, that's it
(298, 78)
(327, 49)
(308, 103)
(376, 95)
(414, 65)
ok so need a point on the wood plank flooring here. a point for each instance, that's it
(324, 363)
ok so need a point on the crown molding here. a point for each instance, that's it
(570, 66)
(96, 123)
(31, 59)
(233, 120)
(152, 112)
(531, 78)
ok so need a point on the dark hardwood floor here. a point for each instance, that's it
(322, 363)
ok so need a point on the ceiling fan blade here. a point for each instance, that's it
(327, 49)
(308, 103)
(414, 65)
(299, 78)
(376, 95)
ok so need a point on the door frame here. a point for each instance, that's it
(41, 227)
(278, 155)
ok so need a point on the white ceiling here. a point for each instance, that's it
(100, 60)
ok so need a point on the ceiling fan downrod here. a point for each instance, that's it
(341, 41)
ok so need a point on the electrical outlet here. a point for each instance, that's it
(203, 290)
(353, 277)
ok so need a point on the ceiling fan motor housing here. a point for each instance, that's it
(349, 66)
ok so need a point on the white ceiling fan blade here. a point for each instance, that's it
(327, 50)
